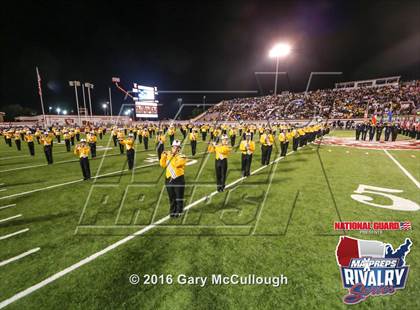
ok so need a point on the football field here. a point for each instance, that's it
(65, 239)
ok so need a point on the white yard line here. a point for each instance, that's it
(7, 261)
(109, 248)
(7, 206)
(67, 183)
(14, 234)
(408, 174)
(10, 218)
(3, 189)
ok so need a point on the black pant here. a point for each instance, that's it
(100, 135)
(171, 139)
(31, 148)
(140, 138)
(84, 164)
(121, 148)
(48, 153)
(92, 149)
(394, 134)
(175, 188)
(58, 138)
(364, 133)
(378, 134)
(130, 158)
(203, 136)
(160, 148)
(221, 170)
(357, 134)
(193, 147)
(302, 140)
(266, 154)
(295, 143)
(67, 141)
(146, 143)
(284, 146)
(371, 134)
(72, 140)
(232, 140)
(387, 133)
(78, 137)
(114, 138)
(18, 144)
(246, 164)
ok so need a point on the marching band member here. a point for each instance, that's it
(67, 137)
(38, 135)
(18, 142)
(140, 134)
(295, 136)
(204, 129)
(8, 137)
(247, 148)
(100, 132)
(222, 151)
(92, 143)
(30, 140)
(72, 135)
(284, 142)
(77, 133)
(267, 141)
(120, 137)
(193, 141)
(129, 146)
(160, 142)
(171, 133)
(46, 141)
(174, 162)
(232, 134)
(114, 134)
(145, 135)
(82, 150)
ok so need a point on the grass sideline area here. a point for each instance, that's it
(277, 221)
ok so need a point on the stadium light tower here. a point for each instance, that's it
(278, 51)
(76, 84)
(89, 86)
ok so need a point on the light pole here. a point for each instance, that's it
(89, 86)
(76, 84)
(84, 101)
(279, 50)
(110, 101)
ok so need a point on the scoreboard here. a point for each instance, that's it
(145, 101)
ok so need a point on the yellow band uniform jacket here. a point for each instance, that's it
(222, 151)
(247, 147)
(174, 164)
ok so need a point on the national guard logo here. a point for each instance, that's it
(371, 268)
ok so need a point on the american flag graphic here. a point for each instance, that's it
(405, 225)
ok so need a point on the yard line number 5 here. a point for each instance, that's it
(364, 192)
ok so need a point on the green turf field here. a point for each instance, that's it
(277, 221)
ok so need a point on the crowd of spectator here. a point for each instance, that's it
(401, 99)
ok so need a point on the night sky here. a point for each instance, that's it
(198, 45)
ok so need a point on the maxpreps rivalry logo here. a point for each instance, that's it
(371, 268)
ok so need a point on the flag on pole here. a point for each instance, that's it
(374, 119)
(38, 77)
(39, 82)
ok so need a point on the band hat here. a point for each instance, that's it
(176, 143)
(82, 140)
(225, 137)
